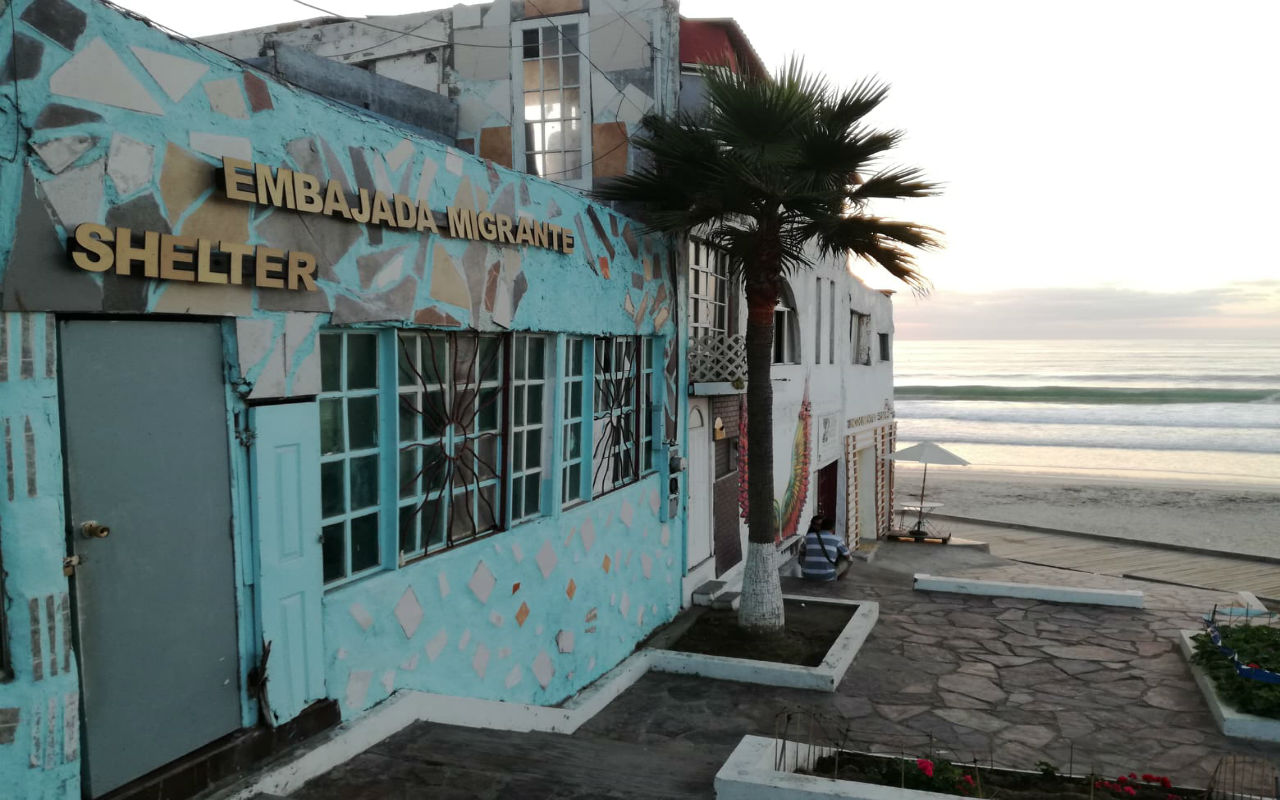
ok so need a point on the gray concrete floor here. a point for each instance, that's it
(1010, 682)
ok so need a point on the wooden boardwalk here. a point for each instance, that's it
(1125, 559)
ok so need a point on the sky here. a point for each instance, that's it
(1108, 168)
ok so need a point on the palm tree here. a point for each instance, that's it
(775, 171)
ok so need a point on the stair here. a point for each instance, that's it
(729, 600)
(706, 594)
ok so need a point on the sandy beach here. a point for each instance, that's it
(1243, 519)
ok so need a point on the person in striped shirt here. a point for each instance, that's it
(820, 558)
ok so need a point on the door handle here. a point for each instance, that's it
(94, 530)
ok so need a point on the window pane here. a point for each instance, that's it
(530, 43)
(555, 165)
(462, 518)
(487, 507)
(486, 450)
(572, 104)
(362, 419)
(575, 400)
(572, 165)
(532, 494)
(550, 41)
(535, 405)
(569, 36)
(517, 405)
(330, 362)
(572, 442)
(533, 164)
(432, 517)
(570, 70)
(362, 361)
(406, 359)
(537, 357)
(555, 139)
(434, 360)
(433, 412)
(364, 482)
(551, 105)
(464, 356)
(533, 450)
(551, 74)
(572, 136)
(409, 479)
(531, 74)
(409, 528)
(434, 467)
(408, 418)
(533, 136)
(532, 113)
(364, 542)
(331, 438)
(490, 408)
(490, 358)
(517, 498)
(333, 488)
(573, 483)
(518, 358)
(335, 556)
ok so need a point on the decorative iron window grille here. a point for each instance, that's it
(349, 454)
(572, 374)
(451, 436)
(615, 429)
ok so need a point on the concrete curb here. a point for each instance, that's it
(759, 769)
(1235, 724)
(824, 677)
(1204, 551)
(1124, 598)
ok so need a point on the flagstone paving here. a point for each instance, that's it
(996, 680)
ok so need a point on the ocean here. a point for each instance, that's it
(1149, 409)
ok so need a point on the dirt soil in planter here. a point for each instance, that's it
(1004, 784)
(811, 629)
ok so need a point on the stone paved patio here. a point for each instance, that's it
(998, 680)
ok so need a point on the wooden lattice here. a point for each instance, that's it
(717, 358)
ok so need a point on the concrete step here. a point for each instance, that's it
(729, 600)
(705, 594)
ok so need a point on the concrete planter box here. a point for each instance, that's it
(756, 770)
(1236, 724)
(1124, 598)
(824, 677)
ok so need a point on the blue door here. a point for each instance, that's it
(286, 524)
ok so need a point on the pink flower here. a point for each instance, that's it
(968, 779)
(1122, 779)
(1165, 782)
(926, 766)
(1129, 790)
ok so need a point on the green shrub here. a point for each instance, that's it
(1256, 645)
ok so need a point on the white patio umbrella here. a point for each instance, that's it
(926, 453)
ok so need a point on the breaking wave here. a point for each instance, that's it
(1092, 395)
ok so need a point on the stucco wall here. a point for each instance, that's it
(123, 125)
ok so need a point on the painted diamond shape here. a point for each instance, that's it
(514, 676)
(646, 564)
(588, 534)
(543, 669)
(626, 514)
(522, 614)
(605, 564)
(482, 582)
(547, 559)
(517, 553)
(653, 501)
(571, 589)
(358, 687)
(361, 616)
(564, 641)
(666, 535)
(444, 585)
(480, 662)
(436, 646)
(625, 607)
(409, 613)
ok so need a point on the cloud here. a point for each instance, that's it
(1236, 310)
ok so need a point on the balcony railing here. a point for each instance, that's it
(718, 358)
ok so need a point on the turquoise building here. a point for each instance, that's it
(302, 407)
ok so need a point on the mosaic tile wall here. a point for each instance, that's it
(104, 119)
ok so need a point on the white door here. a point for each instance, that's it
(701, 531)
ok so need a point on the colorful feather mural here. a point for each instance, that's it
(787, 512)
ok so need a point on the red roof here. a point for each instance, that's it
(716, 41)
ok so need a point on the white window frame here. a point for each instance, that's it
(573, 374)
(585, 75)
(521, 432)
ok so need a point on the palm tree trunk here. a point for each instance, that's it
(761, 603)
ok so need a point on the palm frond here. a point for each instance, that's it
(895, 184)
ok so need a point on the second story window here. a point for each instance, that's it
(884, 347)
(553, 98)
(786, 329)
(708, 290)
(859, 337)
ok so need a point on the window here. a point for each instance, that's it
(817, 323)
(575, 353)
(859, 338)
(555, 131)
(884, 347)
(528, 423)
(786, 336)
(831, 325)
(450, 415)
(349, 462)
(615, 432)
(431, 439)
(708, 290)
